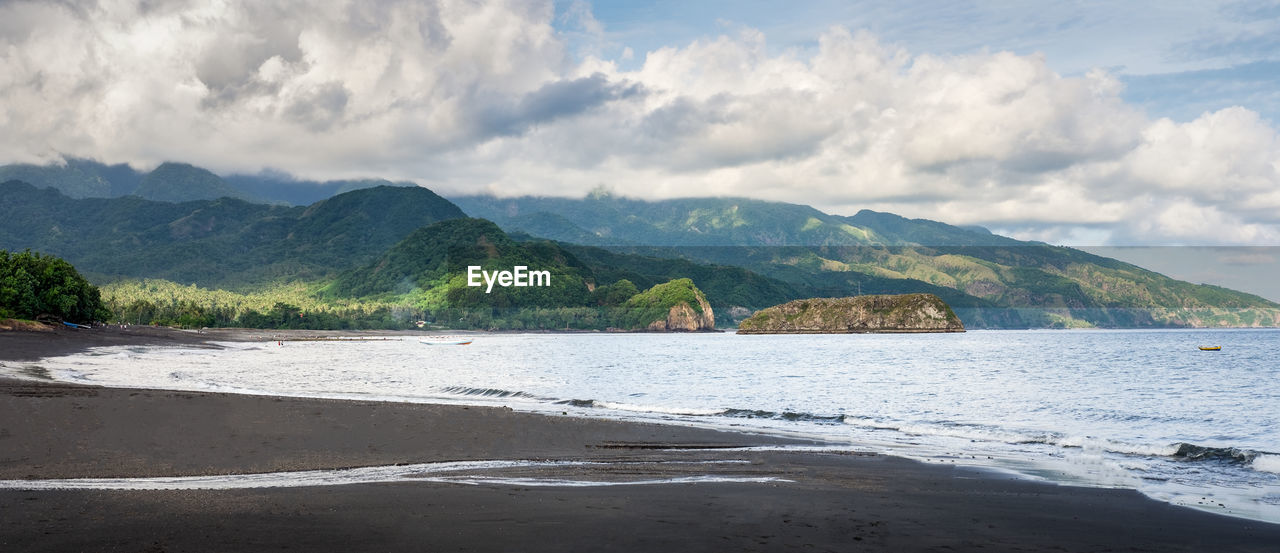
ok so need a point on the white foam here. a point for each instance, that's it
(1114, 446)
(658, 409)
(557, 482)
(1266, 463)
(295, 479)
(368, 475)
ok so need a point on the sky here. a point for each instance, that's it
(1077, 123)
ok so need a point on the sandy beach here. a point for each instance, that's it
(769, 499)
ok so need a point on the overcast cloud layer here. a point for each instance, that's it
(466, 97)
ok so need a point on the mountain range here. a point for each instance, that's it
(178, 182)
(873, 252)
(240, 233)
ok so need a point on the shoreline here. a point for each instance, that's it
(830, 501)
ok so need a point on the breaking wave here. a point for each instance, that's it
(1266, 462)
(656, 409)
(782, 416)
(1178, 451)
(1193, 452)
(489, 393)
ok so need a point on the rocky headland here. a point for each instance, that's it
(857, 314)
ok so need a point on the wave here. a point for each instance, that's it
(1266, 462)
(657, 409)
(492, 393)
(1115, 446)
(782, 416)
(1193, 452)
(637, 408)
(1178, 451)
(790, 416)
(949, 429)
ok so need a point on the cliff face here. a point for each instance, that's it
(683, 317)
(676, 305)
(900, 313)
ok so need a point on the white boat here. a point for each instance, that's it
(445, 341)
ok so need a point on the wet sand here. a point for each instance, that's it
(817, 502)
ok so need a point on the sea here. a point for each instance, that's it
(1140, 409)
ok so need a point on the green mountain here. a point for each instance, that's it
(72, 179)
(78, 178)
(991, 280)
(744, 254)
(236, 245)
(225, 242)
(470, 272)
(726, 286)
(181, 182)
(356, 226)
(434, 261)
(614, 220)
(282, 188)
(891, 229)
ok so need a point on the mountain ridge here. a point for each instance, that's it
(797, 248)
(843, 255)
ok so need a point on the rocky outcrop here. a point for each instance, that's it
(858, 314)
(676, 305)
(684, 317)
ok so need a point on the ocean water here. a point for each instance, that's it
(1142, 409)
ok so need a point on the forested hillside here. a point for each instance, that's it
(745, 254)
(224, 243)
(990, 280)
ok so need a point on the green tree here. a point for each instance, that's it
(615, 294)
(32, 285)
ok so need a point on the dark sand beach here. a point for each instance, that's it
(818, 502)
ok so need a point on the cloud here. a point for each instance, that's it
(469, 97)
(554, 100)
(235, 86)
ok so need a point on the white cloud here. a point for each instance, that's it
(1217, 157)
(471, 97)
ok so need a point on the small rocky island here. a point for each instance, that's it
(675, 306)
(857, 314)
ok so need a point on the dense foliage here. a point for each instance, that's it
(605, 219)
(666, 295)
(614, 295)
(223, 243)
(430, 270)
(432, 264)
(725, 286)
(293, 305)
(990, 280)
(745, 254)
(33, 285)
